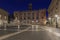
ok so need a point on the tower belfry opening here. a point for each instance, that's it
(30, 6)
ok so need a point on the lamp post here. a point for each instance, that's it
(18, 25)
(5, 23)
(56, 21)
(50, 21)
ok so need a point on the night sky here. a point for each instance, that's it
(15, 5)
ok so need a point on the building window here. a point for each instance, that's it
(0, 16)
(24, 18)
(36, 15)
(24, 14)
(32, 16)
(20, 14)
(21, 18)
(29, 16)
(57, 3)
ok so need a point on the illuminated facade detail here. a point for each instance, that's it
(54, 9)
(3, 16)
(31, 17)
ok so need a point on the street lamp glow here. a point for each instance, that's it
(49, 18)
(32, 21)
(56, 21)
(56, 15)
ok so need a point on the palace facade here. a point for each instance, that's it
(3, 17)
(54, 9)
(30, 16)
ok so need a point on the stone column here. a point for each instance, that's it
(34, 18)
(31, 17)
(0, 16)
(22, 17)
(18, 25)
(26, 17)
(39, 18)
(30, 20)
(5, 23)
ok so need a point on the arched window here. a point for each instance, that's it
(32, 16)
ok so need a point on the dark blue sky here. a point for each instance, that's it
(14, 5)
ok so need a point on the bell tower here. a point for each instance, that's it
(30, 6)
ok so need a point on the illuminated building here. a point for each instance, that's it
(54, 9)
(31, 16)
(3, 17)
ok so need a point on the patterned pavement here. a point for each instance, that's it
(33, 35)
